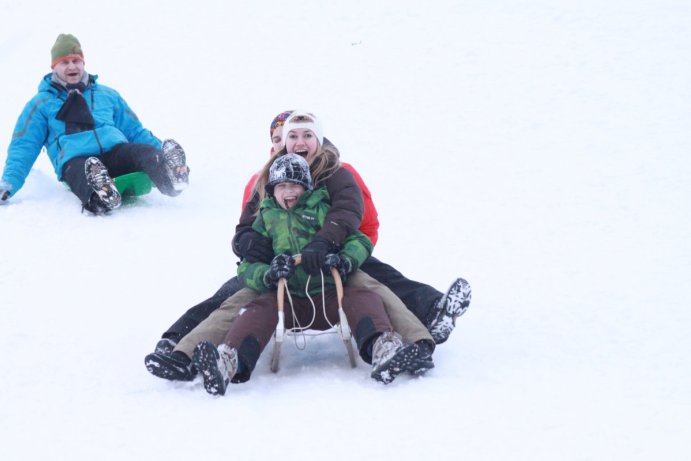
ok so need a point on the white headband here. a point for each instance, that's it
(306, 120)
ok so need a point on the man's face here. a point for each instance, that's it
(70, 70)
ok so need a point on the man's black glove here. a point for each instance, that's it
(282, 267)
(4, 192)
(254, 247)
(313, 254)
(341, 263)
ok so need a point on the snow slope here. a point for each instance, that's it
(537, 148)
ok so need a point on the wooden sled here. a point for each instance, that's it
(342, 325)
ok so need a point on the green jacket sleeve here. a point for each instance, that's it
(252, 274)
(357, 248)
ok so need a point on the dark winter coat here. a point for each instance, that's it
(292, 229)
(113, 123)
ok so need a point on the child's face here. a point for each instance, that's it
(303, 142)
(287, 194)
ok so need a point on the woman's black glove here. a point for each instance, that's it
(282, 267)
(341, 263)
(313, 254)
(253, 247)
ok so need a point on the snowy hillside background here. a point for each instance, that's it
(538, 148)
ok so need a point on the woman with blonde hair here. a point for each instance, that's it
(302, 133)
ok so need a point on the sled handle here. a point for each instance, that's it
(334, 273)
(343, 326)
(282, 286)
(339, 285)
(281, 293)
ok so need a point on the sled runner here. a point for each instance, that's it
(341, 326)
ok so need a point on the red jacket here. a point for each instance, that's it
(370, 218)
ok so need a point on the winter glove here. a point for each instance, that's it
(313, 254)
(4, 192)
(341, 263)
(255, 248)
(282, 267)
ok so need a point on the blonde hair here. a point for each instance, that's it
(324, 164)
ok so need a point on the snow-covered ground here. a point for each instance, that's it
(538, 148)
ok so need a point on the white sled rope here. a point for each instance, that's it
(342, 325)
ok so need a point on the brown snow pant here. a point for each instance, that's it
(254, 327)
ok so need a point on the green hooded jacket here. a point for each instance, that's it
(291, 230)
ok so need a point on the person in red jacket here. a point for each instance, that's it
(436, 310)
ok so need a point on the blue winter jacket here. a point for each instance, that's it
(114, 123)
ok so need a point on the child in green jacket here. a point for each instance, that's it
(290, 215)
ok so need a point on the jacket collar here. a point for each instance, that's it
(47, 84)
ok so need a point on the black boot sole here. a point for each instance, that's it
(205, 359)
(166, 367)
(405, 359)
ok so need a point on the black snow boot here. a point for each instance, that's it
(391, 356)
(175, 366)
(217, 366)
(176, 164)
(105, 196)
(423, 361)
(447, 309)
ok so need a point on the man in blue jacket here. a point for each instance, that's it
(90, 135)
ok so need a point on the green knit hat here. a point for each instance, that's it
(66, 46)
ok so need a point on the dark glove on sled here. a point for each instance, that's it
(282, 267)
(314, 253)
(341, 263)
(255, 248)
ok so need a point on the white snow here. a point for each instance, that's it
(538, 148)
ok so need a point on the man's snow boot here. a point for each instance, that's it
(217, 366)
(447, 309)
(176, 164)
(106, 196)
(391, 356)
(175, 366)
